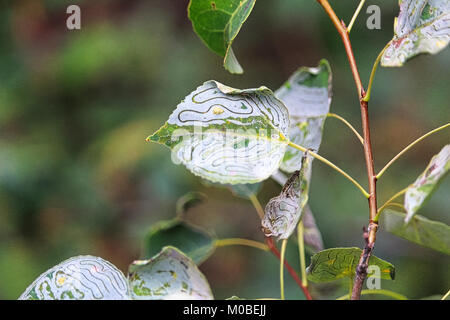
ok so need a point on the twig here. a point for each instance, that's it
(361, 270)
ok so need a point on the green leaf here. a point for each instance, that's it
(332, 264)
(422, 189)
(283, 212)
(167, 276)
(422, 231)
(188, 201)
(217, 23)
(79, 278)
(194, 242)
(307, 96)
(423, 26)
(227, 135)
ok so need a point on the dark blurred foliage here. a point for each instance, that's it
(77, 177)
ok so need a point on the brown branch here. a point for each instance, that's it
(370, 234)
(291, 270)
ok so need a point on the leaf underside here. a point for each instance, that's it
(423, 26)
(217, 23)
(424, 186)
(307, 96)
(420, 230)
(332, 264)
(227, 135)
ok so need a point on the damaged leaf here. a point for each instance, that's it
(307, 96)
(170, 275)
(422, 26)
(282, 213)
(421, 190)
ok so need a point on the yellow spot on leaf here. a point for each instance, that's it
(61, 280)
(218, 110)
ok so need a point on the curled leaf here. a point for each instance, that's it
(170, 275)
(421, 190)
(283, 212)
(332, 264)
(217, 23)
(422, 231)
(422, 26)
(307, 96)
(227, 135)
(79, 278)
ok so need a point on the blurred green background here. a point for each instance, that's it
(77, 177)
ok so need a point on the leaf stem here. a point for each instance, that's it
(446, 295)
(372, 74)
(383, 292)
(259, 209)
(241, 242)
(289, 268)
(412, 144)
(355, 15)
(333, 115)
(387, 203)
(332, 165)
(301, 249)
(282, 254)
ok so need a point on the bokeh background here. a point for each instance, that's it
(77, 177)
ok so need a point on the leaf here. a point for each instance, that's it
(422, 231)
(217, 23)
(332, 264)
(307, 96)
(311, 234)
(170, 275)
(188, 201)
(79, 278)
(227, 135)
(194, 242)
(283, 212)
(423, 26)
(422, 189)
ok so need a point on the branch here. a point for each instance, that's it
(370, 235)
